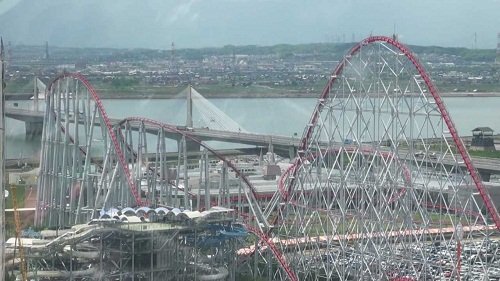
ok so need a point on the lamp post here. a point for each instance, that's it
(459, 235)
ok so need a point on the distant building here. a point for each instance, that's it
(46, 56)
(81, 64)
(482, 139)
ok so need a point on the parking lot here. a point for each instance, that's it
(479, 261)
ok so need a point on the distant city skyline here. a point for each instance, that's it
(156, 24)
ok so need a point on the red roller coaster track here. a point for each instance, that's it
(437, 98)
(132, 186)
(259, 233)
(307, 136)
(108, 125)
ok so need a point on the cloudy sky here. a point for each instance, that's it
(202, 23)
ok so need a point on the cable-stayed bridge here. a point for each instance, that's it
(364, 209)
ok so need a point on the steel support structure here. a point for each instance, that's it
(90, 167)
(2, 162)
(83, 168)
(368, 196)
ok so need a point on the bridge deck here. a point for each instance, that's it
(281, 144)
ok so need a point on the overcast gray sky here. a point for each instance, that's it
(202, 23)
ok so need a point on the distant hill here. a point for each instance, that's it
(327, 51)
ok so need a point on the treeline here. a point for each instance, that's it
(324, 50)
(471, 55)
(319, 50)
(282, 50)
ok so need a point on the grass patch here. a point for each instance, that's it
(439, 219)
(488, 154)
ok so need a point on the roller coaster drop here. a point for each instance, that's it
(357, 203)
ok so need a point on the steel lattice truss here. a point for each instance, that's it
(95, 168)
(381, 188)
(150, 169)
(91, 163)
(83, 167)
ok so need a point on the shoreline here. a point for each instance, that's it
(271, 96)
(109, 96)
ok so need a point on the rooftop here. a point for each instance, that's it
(483, 129)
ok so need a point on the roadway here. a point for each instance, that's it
(170, 156)
(483, 164)
(25, 115)
(281, 144)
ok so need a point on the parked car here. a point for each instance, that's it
(419, 154)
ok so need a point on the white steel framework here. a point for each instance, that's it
(376, 191)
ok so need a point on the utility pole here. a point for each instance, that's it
(2, 163)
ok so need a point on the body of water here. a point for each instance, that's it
(278, 116)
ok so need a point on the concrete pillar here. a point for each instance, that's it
(33, 129)
(192, 146)
(485, 176)
(292, 152)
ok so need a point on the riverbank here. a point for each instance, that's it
(233, 95)
(264, 95)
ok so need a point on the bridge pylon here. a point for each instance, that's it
(189, 109)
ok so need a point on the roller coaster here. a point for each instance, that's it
(355, 203)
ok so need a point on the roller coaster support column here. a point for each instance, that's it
(2, 167)
(200, 183)
(207, 179)
(203, 182)
(256, 260)
(223, 190)
(185, 172)
(177, 173)
(459, 235)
